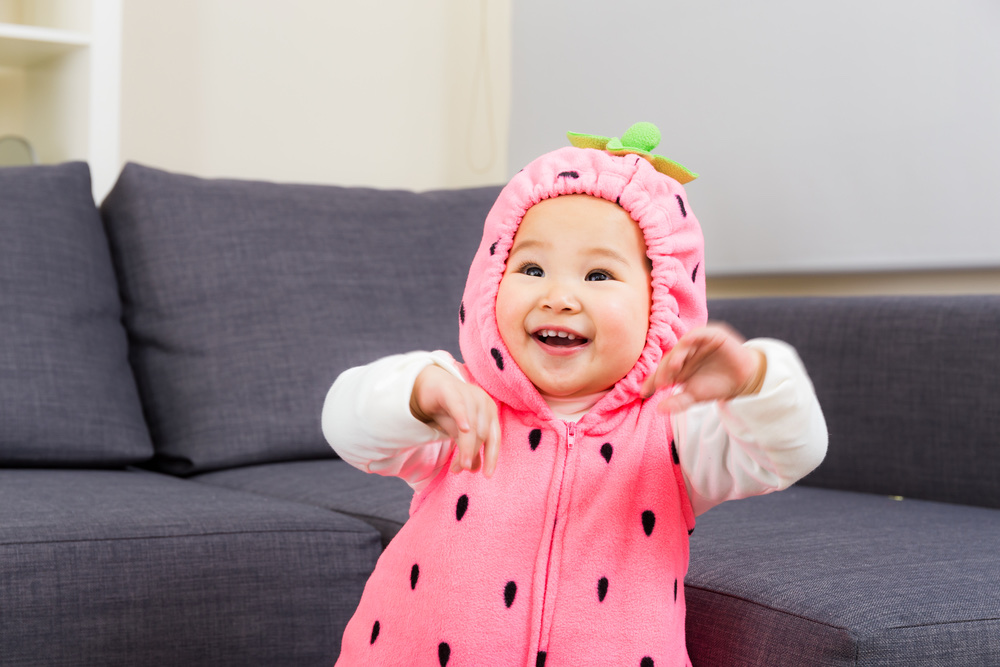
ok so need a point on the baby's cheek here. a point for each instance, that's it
(506, 309)
(626, 325)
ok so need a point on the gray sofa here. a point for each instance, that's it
(166, 496)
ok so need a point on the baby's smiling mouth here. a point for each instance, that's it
(558, 338)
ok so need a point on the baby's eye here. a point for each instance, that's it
(599, 275)
(532, 270)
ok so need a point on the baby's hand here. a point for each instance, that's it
(465, 412)
(707, 364)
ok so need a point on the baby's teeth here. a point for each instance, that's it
(552, 333)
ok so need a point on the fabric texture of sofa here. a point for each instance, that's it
(167, 498)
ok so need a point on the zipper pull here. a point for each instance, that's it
(570, 434)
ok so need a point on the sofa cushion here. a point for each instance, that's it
(245, 300)
(821, 577)
(67, 394)
(914, 381)
(383, 502)
(138, 568)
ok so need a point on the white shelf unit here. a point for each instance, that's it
(60, 81)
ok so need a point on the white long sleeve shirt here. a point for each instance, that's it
(748, 446)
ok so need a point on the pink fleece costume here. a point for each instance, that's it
(574, 553)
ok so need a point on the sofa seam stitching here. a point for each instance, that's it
(180, 535)
(772, 608)
(941, 623)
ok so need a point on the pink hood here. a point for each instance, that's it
(673, 241)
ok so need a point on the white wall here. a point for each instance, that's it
(386, 94)
(831, 136)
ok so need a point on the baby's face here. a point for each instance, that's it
(574, 300)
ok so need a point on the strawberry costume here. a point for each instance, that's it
(575, 551)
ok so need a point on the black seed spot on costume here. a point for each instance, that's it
(606, 451)
(461, 312)
(497, 357)
(646, 662)
(414, 575)
(375, 630)
(540, 659)
(602, 589)
(509, 591)
(493, 248)
(675, 590)
(463, 504)
(694, 274)
(673, 453)
(680, 202)
(534, 438)
(648, 521)
(618, 200)
(690, 532)
(444, 653)
(569, 174)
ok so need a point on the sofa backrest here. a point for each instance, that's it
(244, 301)
(67, 395)
(910, 387)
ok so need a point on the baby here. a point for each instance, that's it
(558, 472)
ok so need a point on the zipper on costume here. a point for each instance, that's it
(546, 602)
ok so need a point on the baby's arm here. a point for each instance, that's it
(756, 444)
(368, 422)
(762, 440)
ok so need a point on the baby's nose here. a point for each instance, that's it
(560, 297)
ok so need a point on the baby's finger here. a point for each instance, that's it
(454, 421)
(676, 402)
(458, 410)
(466, 446)
(667, 373)
(677, 362)
(482, 419)
(658, 378)
(488, 432)
(478, 407)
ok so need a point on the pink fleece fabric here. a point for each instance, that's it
(574, 553)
